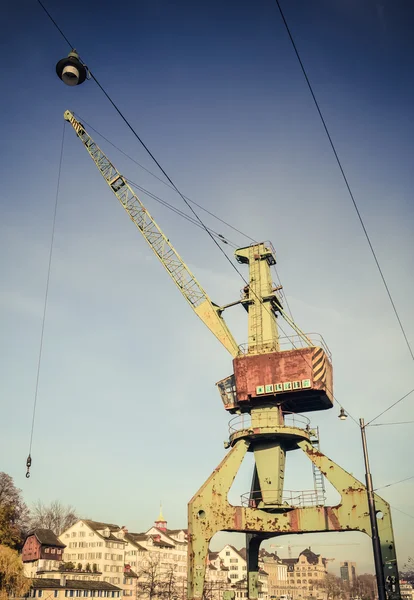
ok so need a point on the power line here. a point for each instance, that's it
(386, 424)
(390, 407)
(392, 484)
(402, 512)
(351, 195)
(146, 148)
(29, 457)
(180, 212)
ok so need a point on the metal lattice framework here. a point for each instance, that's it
(183, 278)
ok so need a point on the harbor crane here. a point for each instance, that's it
(267, 392)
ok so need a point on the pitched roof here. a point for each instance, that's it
(134, 538)
(46, 537)
(97, 527)
(241, 552)
(311, 557)
(173, 531)
(130, 573)
(213, 555)
(72, 584)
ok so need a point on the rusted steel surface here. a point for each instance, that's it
(308, 368)
(209, 512)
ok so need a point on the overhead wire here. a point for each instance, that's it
(188, 204)
(179, 212)
(397, 423)
(215, 216)
(164, 182)
(390, 407)
(146, 148)
(382, 487)
(49, 268)
(351, 195)
(402, 512)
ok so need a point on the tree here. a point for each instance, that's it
(153, 583)
(54, 516)
(169, 589)
(332, 586)
(12, 579)
(408, 573)
(365, 587)
(13, 513)
(68, 566)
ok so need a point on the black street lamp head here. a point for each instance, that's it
(71, 70)
(342, 414)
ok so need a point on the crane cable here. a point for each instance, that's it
(162, 180)
(49, 267)
(225, 240)
(351, 195)
(130, 127)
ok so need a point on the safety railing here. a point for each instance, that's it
(293, 342)
(298, 499)
(244, 421)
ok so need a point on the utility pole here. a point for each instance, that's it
(376, 544)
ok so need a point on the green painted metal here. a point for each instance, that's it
(209, 512)
(260, 299)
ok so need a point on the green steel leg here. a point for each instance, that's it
(209, 512)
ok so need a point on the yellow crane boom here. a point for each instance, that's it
(186, 282)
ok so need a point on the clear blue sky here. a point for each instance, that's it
(128, 413)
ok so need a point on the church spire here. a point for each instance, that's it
(161, 523)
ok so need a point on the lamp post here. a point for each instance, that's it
(376, 544)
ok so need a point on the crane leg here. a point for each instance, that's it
(209, 512)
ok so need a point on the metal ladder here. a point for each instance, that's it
(318, 478)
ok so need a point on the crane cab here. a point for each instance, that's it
(300, 380)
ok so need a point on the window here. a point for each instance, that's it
(67, 535)
(53, 550)
(107, 556)
(227, 553)
(233, 576)
(47, 550)
(234, 560)
(73, 533)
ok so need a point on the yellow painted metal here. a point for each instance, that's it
(263, 335)
(269, 456)
(209, 511)
(183, 278)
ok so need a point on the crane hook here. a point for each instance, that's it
(28, 465)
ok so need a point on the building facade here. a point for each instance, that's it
(278, 584)
(348, 573)
(42, 551)
(96, 548)
(306, 575)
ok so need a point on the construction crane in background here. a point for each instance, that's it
(290, 546)
(267, 392)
